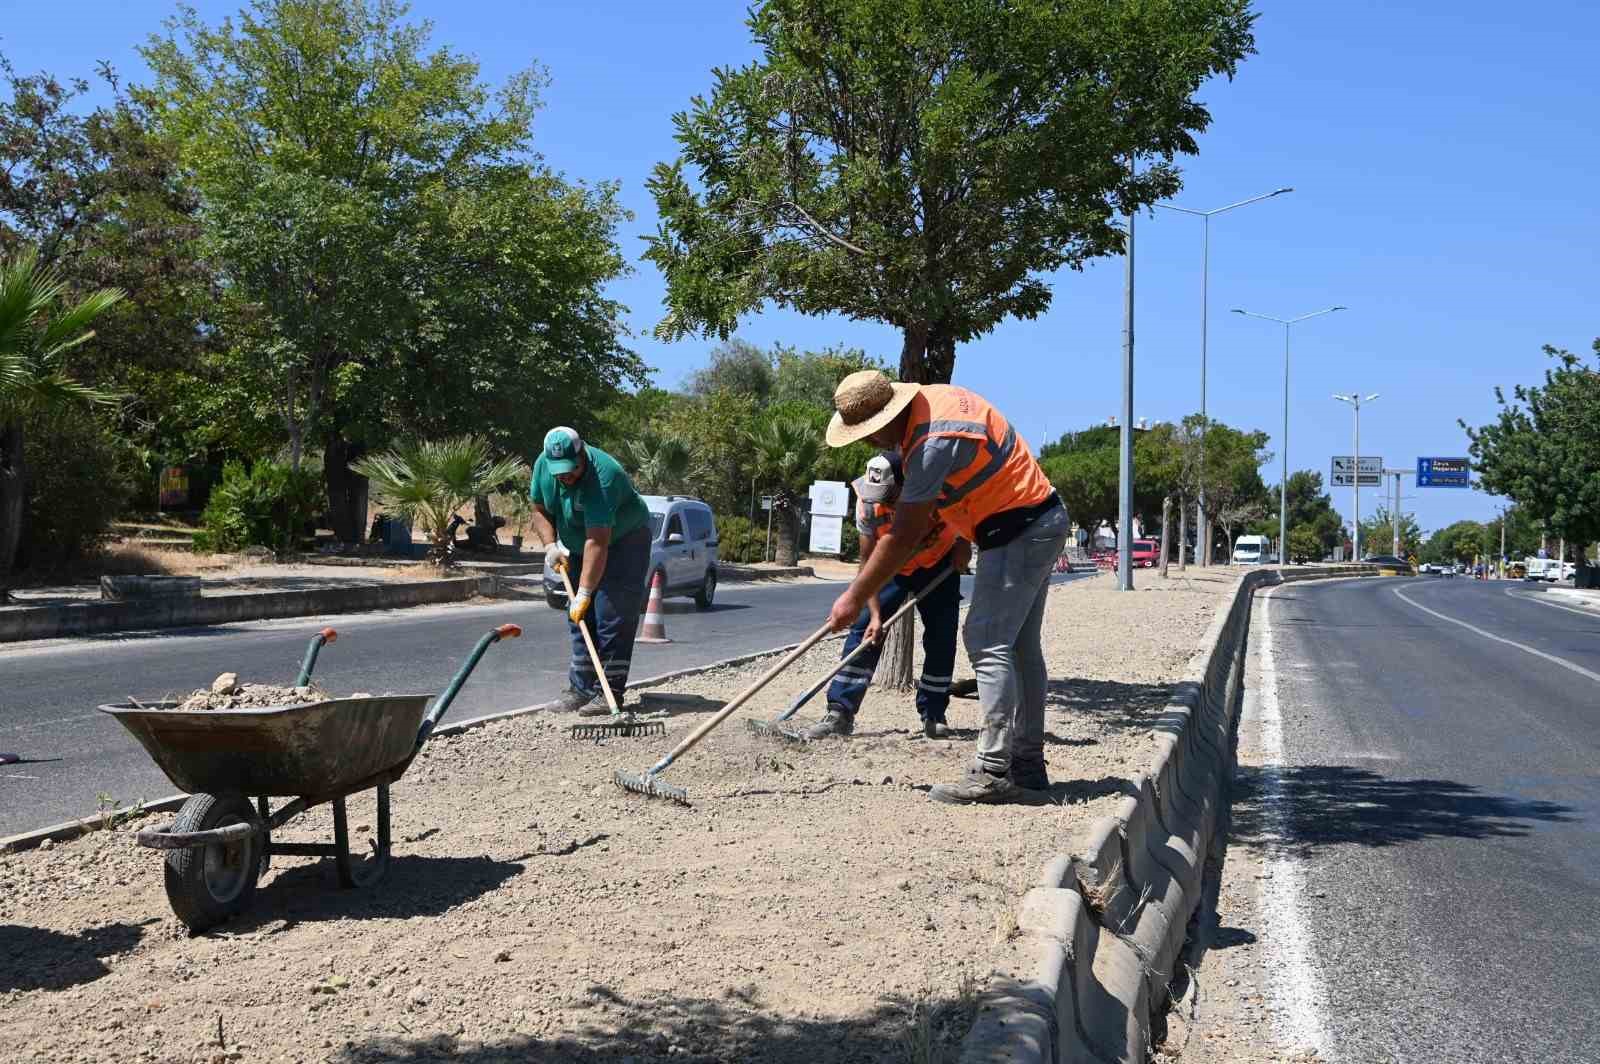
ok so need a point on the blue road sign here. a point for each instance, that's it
(1444, 473)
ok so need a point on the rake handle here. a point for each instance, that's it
(588, 641)
(742, 697)
(861, 648)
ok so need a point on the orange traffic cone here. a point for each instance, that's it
(654, 629)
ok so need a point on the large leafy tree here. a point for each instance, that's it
(397, 257)
(925, 164)
(1315, 527)
(1544, 449)
(39, 327)
(1377, 533)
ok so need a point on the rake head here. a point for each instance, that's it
(650, 785)
(774, 729)
(628, 728)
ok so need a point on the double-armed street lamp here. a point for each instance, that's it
(1355, 399)
(1283, 485)
(1203, 530)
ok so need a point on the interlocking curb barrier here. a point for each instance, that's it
(93, 618)
(1105, 927)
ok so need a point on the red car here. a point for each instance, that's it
(1146, 554)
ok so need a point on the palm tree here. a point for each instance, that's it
(661, 465)
(426, 483)
(37, 330)
(788, 451)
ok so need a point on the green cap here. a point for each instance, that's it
(562, 446)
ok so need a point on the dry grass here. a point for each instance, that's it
(129, 558)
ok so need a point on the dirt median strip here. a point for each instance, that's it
(811, 905)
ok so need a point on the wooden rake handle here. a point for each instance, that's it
(744, 696)
(588, 641)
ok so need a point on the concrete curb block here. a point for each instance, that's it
(739, 573)
(1106, 926)
(72, 829)
(93, 618)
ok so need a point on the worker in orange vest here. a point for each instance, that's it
(965, 464)
(938, 604)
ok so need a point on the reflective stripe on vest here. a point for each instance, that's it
(1003, 475)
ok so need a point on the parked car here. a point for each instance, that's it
(683, 549)
(1252, 550)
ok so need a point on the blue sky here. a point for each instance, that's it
(1443, 157)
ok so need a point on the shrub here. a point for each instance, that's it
(739, 540)
(266, 506)
(81, 475)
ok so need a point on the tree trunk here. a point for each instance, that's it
(13, 494)
(784, 533)
(927, 354)
(1166, 539)
(347, 491)
(1183, 538)
(895, 667)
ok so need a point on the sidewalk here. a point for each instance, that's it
(812, 904)
(1586, 598)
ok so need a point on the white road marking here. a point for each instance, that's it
(1542, 600)
(1536, 652)
(1295, 984)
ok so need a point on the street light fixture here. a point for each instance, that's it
(1283, 480)
(1201, 527)
(1355, 399)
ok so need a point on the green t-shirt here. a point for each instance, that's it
(602, 498)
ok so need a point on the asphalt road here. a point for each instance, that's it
(1440, 797)
(49, 690)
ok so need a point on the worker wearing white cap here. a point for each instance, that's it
(594, 523)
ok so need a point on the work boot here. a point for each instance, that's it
(977, 786)
(573, 700)
(837, 722)
(1030, 774)
(935, 729)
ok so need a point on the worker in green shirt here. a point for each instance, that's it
(594, 523)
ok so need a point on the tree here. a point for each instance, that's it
(661, 465)
(1377, 533)
(787, 452)
(1544, 450)
(736, 366)
(1231, 475)
(1311, 514)
(427, 482)
(38, 329)
(926, 165)
(397, 256)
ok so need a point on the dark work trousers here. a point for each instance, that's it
(613, 617)
(941, 614)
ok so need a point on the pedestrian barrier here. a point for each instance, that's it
(1105, 928)
(654, 629)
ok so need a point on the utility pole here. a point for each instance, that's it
(1355, 399)
(1502, 566)
(1395, 513)
(1125, 465)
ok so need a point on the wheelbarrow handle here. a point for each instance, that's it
(442, 703)
(327, 635)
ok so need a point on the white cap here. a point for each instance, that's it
(881, 482)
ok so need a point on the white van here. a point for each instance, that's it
(1252, 550)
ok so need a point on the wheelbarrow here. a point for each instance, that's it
(312, 752)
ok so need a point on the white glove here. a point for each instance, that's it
(555, 557)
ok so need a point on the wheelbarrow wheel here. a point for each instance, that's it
(209, 884)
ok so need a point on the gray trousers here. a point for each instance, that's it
(1002, 636)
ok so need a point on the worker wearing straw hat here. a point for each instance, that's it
(593, 522)
(966, 465)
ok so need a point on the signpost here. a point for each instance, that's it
(1344, 472)
(1444, 473)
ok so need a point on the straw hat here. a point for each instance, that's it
(865, 402)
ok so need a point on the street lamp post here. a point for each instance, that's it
(1283, 479)
(1355, 399)
(1201, 526)
(1125, 461)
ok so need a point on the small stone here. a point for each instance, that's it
(417, 998)
(503, 956)
(887, 780)
(48, 844)
(226, 684)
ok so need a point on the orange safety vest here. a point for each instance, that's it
(874, 518)
(1002, 476)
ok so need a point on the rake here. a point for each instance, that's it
(649, 782)
(773, 729)
(620, 725)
